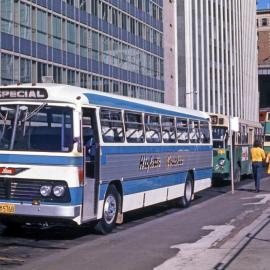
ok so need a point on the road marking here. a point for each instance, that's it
(11, 260)
(193, 256)
(264, 198)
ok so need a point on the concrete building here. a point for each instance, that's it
(263, 28)
(112, 46)
(217, 57)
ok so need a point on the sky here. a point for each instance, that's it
(263, 4)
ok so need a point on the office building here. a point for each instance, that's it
(111, 46)
(217, 57)
(263, 28)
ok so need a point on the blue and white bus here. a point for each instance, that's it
(69, 154)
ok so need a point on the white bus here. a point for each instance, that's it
(74, 155)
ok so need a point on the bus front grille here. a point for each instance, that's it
(29, 190)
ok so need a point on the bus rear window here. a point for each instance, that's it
(36, 128)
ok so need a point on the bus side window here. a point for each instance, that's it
(111, 125)
(182, 130)
(168, 129)
(134, 127)
(204, 131)
(152, 128)
(194, 131)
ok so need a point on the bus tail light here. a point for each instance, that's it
(81, 175)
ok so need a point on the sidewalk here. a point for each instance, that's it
(250, 249)
(256, 253)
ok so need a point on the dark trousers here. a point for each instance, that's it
(257, 168)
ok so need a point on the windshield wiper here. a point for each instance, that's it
(34, 112)
(31, 114)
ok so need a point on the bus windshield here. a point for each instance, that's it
(219, 137)
(36, 128)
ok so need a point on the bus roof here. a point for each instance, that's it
(77, 95)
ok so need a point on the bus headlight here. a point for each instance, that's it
(221, 162)
(45, 191)
(58, 191)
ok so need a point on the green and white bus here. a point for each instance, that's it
(241, 141)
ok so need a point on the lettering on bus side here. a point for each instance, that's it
(147, 163)
(173, 162)
(13, 93)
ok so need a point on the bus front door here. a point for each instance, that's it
(90, 151)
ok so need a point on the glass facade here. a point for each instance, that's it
(114, 46)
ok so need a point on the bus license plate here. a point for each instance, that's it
(6, 208)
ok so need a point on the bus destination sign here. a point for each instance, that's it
(23, 93)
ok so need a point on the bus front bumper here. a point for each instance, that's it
(29, 210)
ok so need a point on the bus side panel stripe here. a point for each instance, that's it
(40, 160)
(152, 183)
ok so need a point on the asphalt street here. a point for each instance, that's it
(220, 230)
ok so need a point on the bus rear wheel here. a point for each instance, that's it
(110, 211)
(188, 192)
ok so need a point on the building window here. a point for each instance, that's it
(95, 46)
(25, 21)
(132, 26)
(83, 80)
(106, 85)
(83, 5)
(104, 12)
(124, 21)
(83, 42)
(264, 21)
(42, 29)
(25, 71)
(57, 32)
(95, 83)
(115, 17)
(71, 77)
(57, 75)
(105, 41)
(6, 69)
(71, 38)
(70, 2)
(41, 71)
(7, 16)
(94, 7)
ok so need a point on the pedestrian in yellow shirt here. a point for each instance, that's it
(257, 157)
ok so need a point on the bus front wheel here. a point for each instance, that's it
(110, 211)
(188, 192)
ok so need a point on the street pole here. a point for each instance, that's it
(231, 154)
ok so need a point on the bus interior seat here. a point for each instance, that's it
(182, 137)
(118, 134)
(152, 136)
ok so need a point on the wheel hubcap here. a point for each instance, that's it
(110, 208)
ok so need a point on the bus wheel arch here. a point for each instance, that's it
(112, 208)
(188, 190)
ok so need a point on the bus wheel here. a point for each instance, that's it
(188, 193)
(110, 211)
(237, 174)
